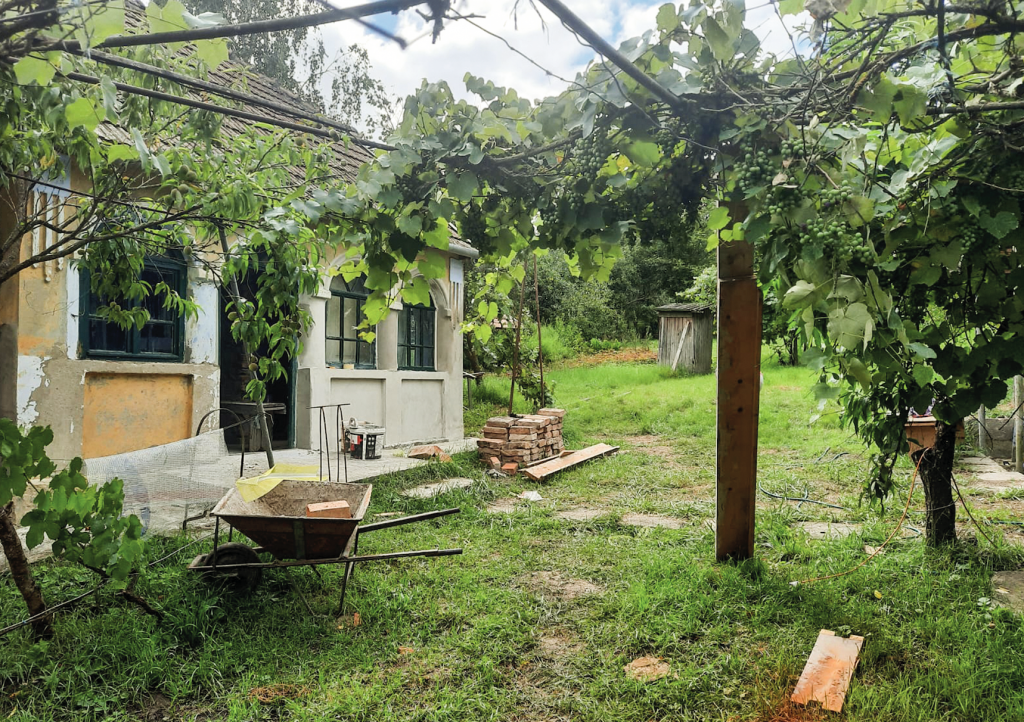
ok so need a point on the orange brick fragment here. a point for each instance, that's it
(329, 510)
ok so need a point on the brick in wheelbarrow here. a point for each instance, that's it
(329, 510)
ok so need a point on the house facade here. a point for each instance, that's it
(104, 390)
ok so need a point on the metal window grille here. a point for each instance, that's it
(416, 334)
(160, 339)
(345, 311)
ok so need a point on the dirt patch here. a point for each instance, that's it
(651, 521)
(647, 669)
(155, 708)
(652, 446)
(581, 513)
(789, 711)
(503, 506)
(555, 583)
(621, 356)
(558, 645)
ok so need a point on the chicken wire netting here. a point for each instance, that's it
(166, 485)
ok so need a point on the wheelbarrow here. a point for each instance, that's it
(277, 522)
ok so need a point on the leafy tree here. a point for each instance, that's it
(298, 60)
(177, 171)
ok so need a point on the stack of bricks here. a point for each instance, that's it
(511, 442)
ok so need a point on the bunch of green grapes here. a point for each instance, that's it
(833, 197)
(791, 148)
(783, 200)
(591, 152)
(1015, 180)
(971, 237)
(754, 168)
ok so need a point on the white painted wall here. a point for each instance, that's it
(202, 332)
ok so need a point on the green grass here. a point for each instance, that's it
(491, 643)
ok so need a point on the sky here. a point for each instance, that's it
(529, 27)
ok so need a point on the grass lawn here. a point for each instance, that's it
(536, 620)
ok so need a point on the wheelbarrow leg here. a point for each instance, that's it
(349, 568)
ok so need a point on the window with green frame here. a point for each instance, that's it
(162, 338)
(416, 337)
(344, 314)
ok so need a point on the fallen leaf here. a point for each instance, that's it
(878, 594)
(1001, 590)
(871, 551)
(406, 650)
(647, 669)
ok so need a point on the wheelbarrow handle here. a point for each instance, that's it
(387, 524)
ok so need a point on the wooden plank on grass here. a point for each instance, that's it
(542, 471)
(828, 671)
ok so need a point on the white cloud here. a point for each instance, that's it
(462, 47)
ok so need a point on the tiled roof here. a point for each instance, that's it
(347, 158)
(687, 308)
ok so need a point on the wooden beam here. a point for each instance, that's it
(567, 461)
(739, 361)
(256, 27)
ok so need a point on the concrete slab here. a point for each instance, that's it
(1008, 590)
(581, 514)
(998, 481)
(977, 461)
(427, 491)
(358, 469)
(822, 530)
(651, 521)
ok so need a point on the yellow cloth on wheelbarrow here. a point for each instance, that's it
(254, 487)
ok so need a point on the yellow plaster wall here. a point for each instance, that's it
(127, 412)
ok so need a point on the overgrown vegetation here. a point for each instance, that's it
(507, 631)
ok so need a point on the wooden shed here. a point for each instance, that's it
(684, 336)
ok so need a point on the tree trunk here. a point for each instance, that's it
(936, 471)
(21, 572)
(793, 340)
(474, 360)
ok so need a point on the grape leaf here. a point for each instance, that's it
(83, 112)
(1000, 224)
(33, 69)
(718, 218)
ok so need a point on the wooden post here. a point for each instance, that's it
(982, 430)
(1018, 424)
(739, 361)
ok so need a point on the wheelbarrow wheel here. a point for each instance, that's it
(241, 579)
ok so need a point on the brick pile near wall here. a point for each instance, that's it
(524, 439)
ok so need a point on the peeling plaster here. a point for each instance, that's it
(202, 331)
(73, 290)
(30, 379)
